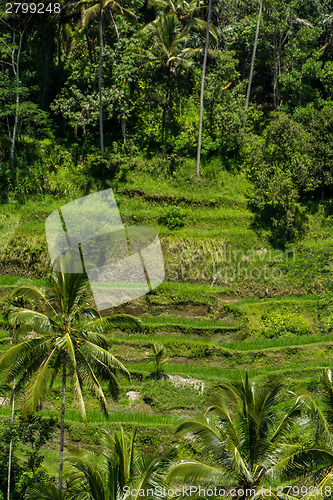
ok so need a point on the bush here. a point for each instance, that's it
(173, 218)
(278, 325)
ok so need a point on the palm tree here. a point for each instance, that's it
(159, 359)
(100, 9)
(69, 336)
(166, 41)
(8, 307)
(248, 441)
(113, 474)
(183, 12)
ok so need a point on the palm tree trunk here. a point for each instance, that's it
(167, 109)
(253, 56)
(12, 423)
(203, 88)
(16, 69)
(164, 119)
(62, 425)
(100, 31)
(11, 446)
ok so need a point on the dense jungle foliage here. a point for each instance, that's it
(86, 87)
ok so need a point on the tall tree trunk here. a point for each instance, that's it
(100, 31)
(91, 55)
(16, 69)
(253, 56)
(115, 26)
(275, 75)
(164, 119)
(12, 423)
(11, 446)
(203, 88)
(62, 424)
(123, 130)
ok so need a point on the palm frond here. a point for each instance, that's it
(89, 378)
(219, 407)
(130, 16)
(197, 473)
(216, 440)
(38, 322)
(46, 492)
(300, 462)
(78, 396)
(85, 478)
(104, 356)
(288, 419)
(318, 418)
(31, 292)
(84, 312)
(39, 383)
(109, 323)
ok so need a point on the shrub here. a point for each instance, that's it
(173, 218)
(277, 325)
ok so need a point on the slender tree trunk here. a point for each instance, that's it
(12, 423)
(123, 130)
(11, 446)
(167, 110)
(115, 26)
(253, 56)
(164, 119)
(16, 69)
(203, 88)
(89, 49)
(275, 77)
(100, 31)
(62, 424)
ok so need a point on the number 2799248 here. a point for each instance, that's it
(32, 8)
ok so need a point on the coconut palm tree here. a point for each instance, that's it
(186, 12)
(158, 357)
(8, 307)
(178, 14)
(69, 336)
(248, 441)
(100, 10)
(115, 474)
(321, 416)
(166, 48)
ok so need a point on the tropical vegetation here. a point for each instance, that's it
(212, 123)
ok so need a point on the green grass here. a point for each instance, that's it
(172, 291)
(229, 345)
(269, 344)
(96, 417)
(14, 281)
(185, 323)
(215, 373)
